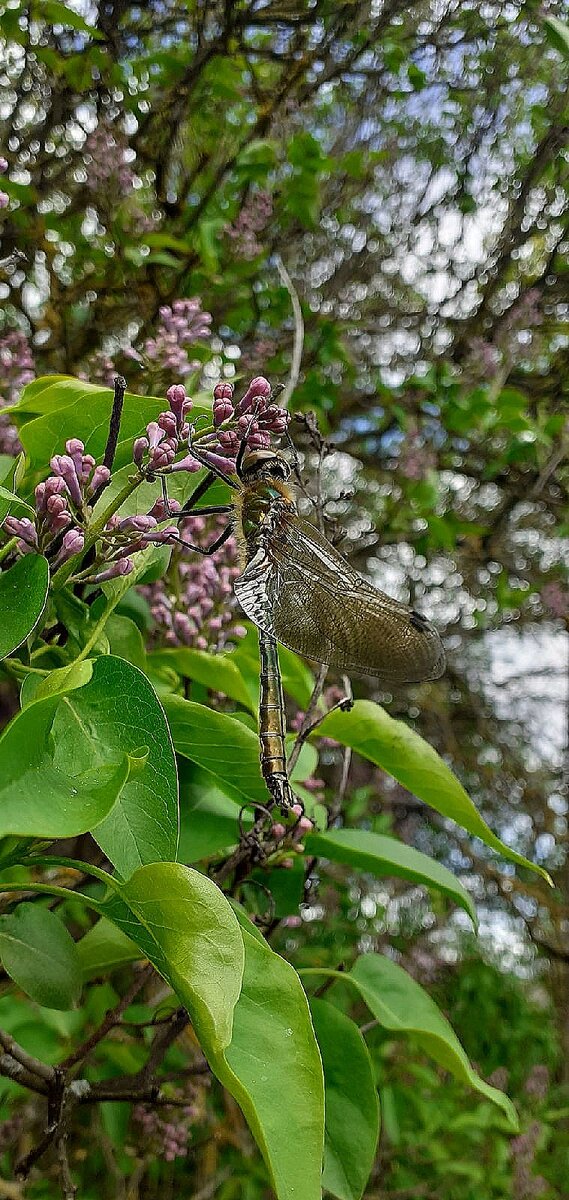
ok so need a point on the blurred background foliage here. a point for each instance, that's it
(409, 163)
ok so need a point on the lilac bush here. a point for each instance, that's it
(16, 370)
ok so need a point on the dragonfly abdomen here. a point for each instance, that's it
(272, 724)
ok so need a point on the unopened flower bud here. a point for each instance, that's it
(73, 542)
(222, 411)
(139, 449)
(278, 831)
(187, 464)
(22, 528)
(101, 475)
(223, 391)
(123, 566)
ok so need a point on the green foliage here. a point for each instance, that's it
(365, 150)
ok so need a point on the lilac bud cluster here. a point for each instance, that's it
(4, 197)
(252, 220)
(169, 1137)
(165, 354)
(16, 370)
(180, 326)
(61, 502)
(105, 159)
(193, 604)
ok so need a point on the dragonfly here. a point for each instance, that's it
(300, 591)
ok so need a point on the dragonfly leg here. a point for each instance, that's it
(204, 550)
(192, 500)
(200, 457)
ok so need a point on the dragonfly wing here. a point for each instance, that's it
(298, 588)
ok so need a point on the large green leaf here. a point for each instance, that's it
(273, 1069)
(40, 956)
(42, 795)
(218, 742)
(396, 748)
(381, 856)
(352, 1108)
(401, 1005)
(184, 925)
(119, 713)
(23, 595)
(216, 671)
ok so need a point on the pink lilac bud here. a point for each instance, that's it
(229, 442)
(3, 165)
(162, 536)
(139, 450)
(278, 831)
(168, 423)
(52, 486)
(178, 401)
(64, 466)
(187, 464)
(274, 419)
(159, 511)
(22, 528)
(56, 505)
(256, 395)
(222, 411)
(154, 434)
(162, 456)
(297, 810)
(223, 391)
(225, 465)
(123, 566)
(4, 200)
(100, 478)
(137, 524)
(292, 922)
(259, 441)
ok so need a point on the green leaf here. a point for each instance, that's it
(216, 671)
(54, 12)
(209, 815)
(557, 35)
(117, 715)
(379, 855)
(23, 595)
(352, 1108)
(216, 741)
(273, 1069)
(396, 748)
(10, 501)
(43, 796)
(125, 640)
(401, 1005)
(184, 925)
(103, 948)
(40, 955)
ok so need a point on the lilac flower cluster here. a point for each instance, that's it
(194, 604)
(4, 197)
(252, 220)
(16, 370)
(61, 501)
(169, 1137)
(105, 158)
(165, 354)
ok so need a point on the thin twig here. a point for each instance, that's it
(308, 721)
(35, 1065)
(298, 342)
(114, 430)
(111, 1019)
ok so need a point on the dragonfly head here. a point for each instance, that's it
(264, 464)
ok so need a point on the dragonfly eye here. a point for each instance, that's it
(268, 463)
